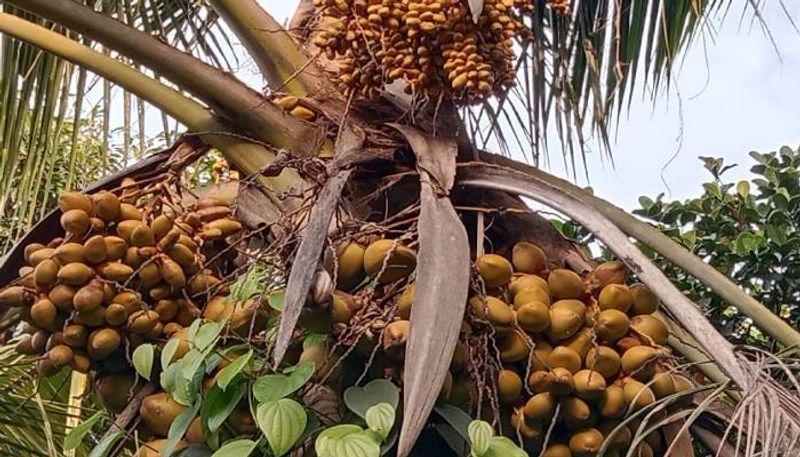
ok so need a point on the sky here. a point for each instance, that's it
(734, 93)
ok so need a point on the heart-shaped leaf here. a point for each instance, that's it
(275, 386)
(325, 444)
(77, 434)
(207, 335)
(283, 422)
(238, 448)
(104, 446)
(360, 399)
(178, 428)
(360, 444)
(143, 360)
(276, 299)
(380, 419)
(227, 374)
(457, 418)
(501, 446)
(219, 404)
(480, 434)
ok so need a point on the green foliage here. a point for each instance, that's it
(484, 443)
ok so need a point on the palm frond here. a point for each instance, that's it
(578, 73)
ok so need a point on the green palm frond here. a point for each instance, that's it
(48, 141)
(577, 73)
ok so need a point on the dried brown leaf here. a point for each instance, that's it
(435, 155)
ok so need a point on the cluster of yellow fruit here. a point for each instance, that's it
(130, 268)
(434, 46)
(589, 349)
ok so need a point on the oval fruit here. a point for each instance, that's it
(142, 321)
(60, 355)
(564, 357)
(161, 225)
(95, 249)
(615, 296)
(565, 284)
(651, 327)
(639, 362)
(395, 334)
(644, 300)
(75, 274)
(106, 206)
(405, 302)
(662, 385)
(563, 384)
(75, 335)
(14, 297)
(88, 297)
(390, 259)
(637, 394)
(500, 315)
(528, 258)
(44, 313)
(158, 411)
(115, 271)
(142, 236)
(74, 200)
(531, 294)
(540, 408)
(40, 255)
(69, 252)
(611, 325)
(46, 273)
(575, 412)
(604, 360)
(509, 386)
(612, 403)
(514, 347)
(102, 343)
(586, 443)
(116, 315)
(533, 317)
(557, 450)
(611, 272)
(495, 270)
(76, 222)
(128, 212)
(589, 384)
(171, 272)
(563, 324)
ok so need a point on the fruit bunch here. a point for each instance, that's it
(588, 348)
(580, 352)
(132, 266)
(434, 46)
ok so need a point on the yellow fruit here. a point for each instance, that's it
(106, 206)
(566, 284)
(651, 327)
(102, 343)
(158, 411)
(75, 274)
(396, 334)
(46, 273)
(612, 403)
(509, 386)
(95, 249)
(639, 362)
(604, 360)
(662, 385)
(404, 302)
(564, 357)
(142, 321)
(161, 225)
(520, 425)
(540, 408)
(30, 250)
(114, 271)
(637, 394)
(533, 317)
(521, 282)
(541, 350)
(171, 272)
(683, 385)
(14, 297)
(181, 254)
(586, 443)
(514, 347)
(644, 300)
(40, 255)
(611, 325)
(500, 315)
(183, 348)
(69, 252)
(349, 265)
(612, 272)
(615, 296)
(589, 384)
(528, 258)
(228, 227)
(142, 236)
(303, 113)
(76, 222)
(44, 313)
(541, 381)
(75, 335)
(166, 309)
(92, 318)
(343, 307)
(24, 345)
(97, 224)
(149, 277)
(45, 368)
(288, 102)
(557, 450)
(576, 413)
(56, 339)
(494, 269)
(116, 248)
(563, 384)
(563, 324)
(171, 328)
(125, 229)
(88, 297)
(129, 300)
(26, 278)
(116, 315)
(169, 240)
(74, 200)
(60, 355)
(201, 283)
(128, 212)
(581, 342)
(530, 294)
(389, 259)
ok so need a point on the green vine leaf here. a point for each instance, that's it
(143, 360)
(168, 352)
(207, 335)
(380, 419)
(227, 374)
(272, 387)
(238, 448)
(77, 434)
(219, 404)
(346, 440)
(360, 399)
(480, 434)
(501, 446)
(178, 428)
(283, 422)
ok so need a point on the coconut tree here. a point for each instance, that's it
(577, 65)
